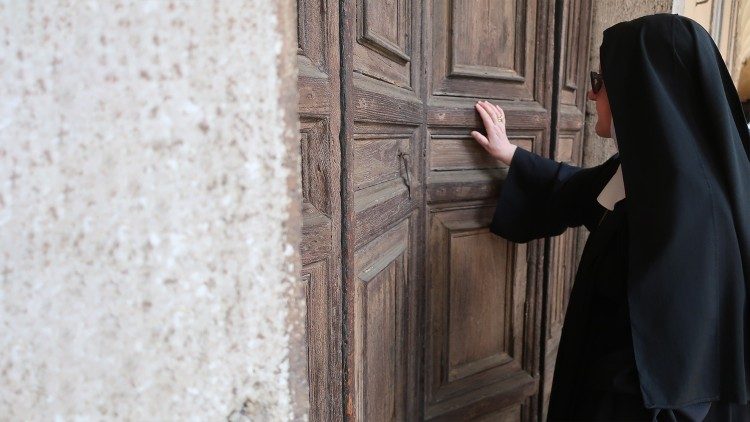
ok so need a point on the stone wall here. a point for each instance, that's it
(149, 211)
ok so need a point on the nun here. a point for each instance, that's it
(656, 327)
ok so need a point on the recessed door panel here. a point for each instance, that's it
(380, 313)
(475, 315)
(485, 48)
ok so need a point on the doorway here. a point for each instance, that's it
(415, 310)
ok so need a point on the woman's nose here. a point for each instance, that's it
(590, 95)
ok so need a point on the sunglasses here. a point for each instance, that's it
(596, 81)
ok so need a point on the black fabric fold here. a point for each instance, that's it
(685, 155)
(541, 197)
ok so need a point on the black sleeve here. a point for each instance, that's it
(541, 197)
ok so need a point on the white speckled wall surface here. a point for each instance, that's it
(148, 211)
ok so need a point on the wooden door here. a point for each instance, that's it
(382, 200)
(571, 85)
(416, 311)
(320, 249)
(484, 299)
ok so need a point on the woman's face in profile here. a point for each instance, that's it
(603, 113)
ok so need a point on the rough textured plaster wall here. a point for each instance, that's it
(148, 191)
(605, 14)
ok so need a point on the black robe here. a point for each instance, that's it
(685, 152)
(681, 240)
(541, 197)
(595, 376)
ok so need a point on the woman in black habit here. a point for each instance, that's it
(657, 321)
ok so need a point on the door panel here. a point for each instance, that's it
(572, 84)
(483, 312)
(477, 347)
(383, 47)
(484, 48)
(383, 179)
(379, 318)
(319, 113)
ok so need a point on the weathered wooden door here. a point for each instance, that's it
(320, 121)
(415, 310)
(569, 118)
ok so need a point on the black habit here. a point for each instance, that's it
(657, 322)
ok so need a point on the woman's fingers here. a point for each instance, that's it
(480, 138)
(500, 112)
(494, 139)
(497, 108)
(486, 118)
(497, 114)
(491, 110)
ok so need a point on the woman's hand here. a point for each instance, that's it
(496, 142)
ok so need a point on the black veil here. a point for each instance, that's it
(684, 148)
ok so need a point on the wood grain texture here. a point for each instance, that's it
(379, 337)
(573, 82)
(479, 305)
(477, 314)
(517, 75)
(458, 152)
(402, 210)
(319, 114)
(481, 26)
(485, 48)
(460, 169)
(380, 159)
(315, 277)
(383, 45)
(383, 188)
